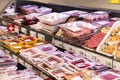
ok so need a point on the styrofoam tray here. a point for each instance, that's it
(53, 18)
(115, 25)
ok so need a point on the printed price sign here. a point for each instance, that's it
(114, 1)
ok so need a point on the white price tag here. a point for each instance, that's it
(58, 43)
(41, 36)
(7, 52)
(24, 30)
(95, 57)
(4, 22)
(21, 61)
(70, 47)
(116, 65)
(15, 57)
(28, 66)
(32, 33)
(106, 61)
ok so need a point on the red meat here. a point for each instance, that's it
(95, 40)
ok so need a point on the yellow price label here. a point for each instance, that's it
(114, 1)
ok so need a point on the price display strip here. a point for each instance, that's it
(106, 61)
(7, 51)
(15, 57)
(33, 33)
(116, 65)
(27, 65)
(41, 36)
(70, 47)
(21, 61)
(4, 22)
(24, 30)
(58, 43)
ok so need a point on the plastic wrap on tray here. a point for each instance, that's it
(53, 61)
(36, 59)
(29, 52)
(95, 16)
(75, 12)
(60, 73)
(28, 40)
(53, 18)
(109, 44)
(47, 48)
(77, 32)
(48, 28)
(27, 9)
(95, 40)
(108, 75)
(81, 64)
(7, 60)
(43, 67)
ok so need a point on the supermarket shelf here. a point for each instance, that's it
(108, 61)
(25, 63)
(78, 49)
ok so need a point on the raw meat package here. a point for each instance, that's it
(95, 16)
(109, 44)
(53, 18)
(36, 59)
(48, 28)
(27, 9)
(75, 12)
(57, 53)
(95, 40)
(81, 64)
(43, 67)
(108, 75)
(46, 48)
(98, 67)
(29, 52)
(77, 32)
(53, 61)
(60, 73)
(6, 60)
(30, 20)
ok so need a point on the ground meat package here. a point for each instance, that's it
(77, 31)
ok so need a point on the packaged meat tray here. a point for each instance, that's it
(57, 53)
(77, 32)
(43, 67)
(17, 48)
(108, 46)
(7, 60)
(36, 59)
(53, 61)
(46, 48)
(29, 52)
(95, 40)
(108, 75)
(27, 9)
(81, 64)
(75, 12)
(48, 28)
(75, 76)
(95, 16)
(12, 42)
(60, 73)
(28, 40)
(53, 18)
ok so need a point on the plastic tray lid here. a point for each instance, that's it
(114, 26)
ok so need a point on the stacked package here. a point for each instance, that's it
(50, 21)
(77, 32)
